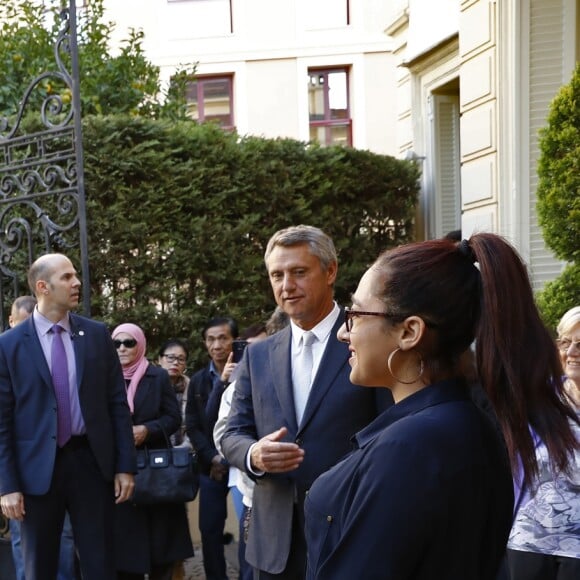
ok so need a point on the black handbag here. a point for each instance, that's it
(165, 475)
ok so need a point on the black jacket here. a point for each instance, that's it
(155, 534)
(198, 426)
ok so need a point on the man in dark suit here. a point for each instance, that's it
(201, 412)
(294, 409)
(22, 308)
(63, 453)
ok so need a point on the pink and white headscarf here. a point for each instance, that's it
(134, 372)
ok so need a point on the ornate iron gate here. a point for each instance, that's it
(42, 198)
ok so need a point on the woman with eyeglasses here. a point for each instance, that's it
(149, 539)
(427, 491)
(172, 357)
(544, 542)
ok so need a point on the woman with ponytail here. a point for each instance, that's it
(427, 492)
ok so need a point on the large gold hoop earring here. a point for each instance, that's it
(389, 366)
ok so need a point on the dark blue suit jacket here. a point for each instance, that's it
(263, 402)
(28, 406)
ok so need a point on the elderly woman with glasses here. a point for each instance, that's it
(427, 491)
(149, 539)
(544, 542)
(172, 357)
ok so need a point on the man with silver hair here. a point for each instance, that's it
(294, 409)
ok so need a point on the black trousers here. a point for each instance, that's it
(213, 512)
(536, 566)
(78, 487)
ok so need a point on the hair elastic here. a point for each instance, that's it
(467, 250)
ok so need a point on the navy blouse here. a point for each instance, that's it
(427, 493)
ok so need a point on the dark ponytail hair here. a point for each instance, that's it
(517, 360)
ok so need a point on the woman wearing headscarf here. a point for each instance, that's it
(149, 539)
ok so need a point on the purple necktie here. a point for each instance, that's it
(59, 368)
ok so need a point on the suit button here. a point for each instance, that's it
(298, 441)
(329, 519)
(307, 492)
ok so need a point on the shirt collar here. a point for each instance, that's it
(321, 330)
(435, 394)
(43, 324)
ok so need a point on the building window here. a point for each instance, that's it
(210, 99)
(330, 122)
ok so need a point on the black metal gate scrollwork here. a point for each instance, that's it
(42, 198)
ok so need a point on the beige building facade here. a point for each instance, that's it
(306, 70)
(462, 86)
(475, 79)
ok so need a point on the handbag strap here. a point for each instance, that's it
(167, 441)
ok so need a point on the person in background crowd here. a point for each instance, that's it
(294, 409)
(149, 539)
(206, 390)
(22, 308)
(544, 542)
(65, 427)
(251, 334)
(278, 321)
(427, 492)
(173, 356)
(239, 479)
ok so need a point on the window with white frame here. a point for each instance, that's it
(328, 106)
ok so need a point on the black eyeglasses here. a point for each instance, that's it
(349, 314)
(174, 358)
(128, 342)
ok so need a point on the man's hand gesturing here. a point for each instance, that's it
(271, 455)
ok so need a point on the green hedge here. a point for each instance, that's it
(559, 173)
(559, 295)
(179, 215)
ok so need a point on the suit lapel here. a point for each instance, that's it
(282, 375)
(333, 360)
(32, 345)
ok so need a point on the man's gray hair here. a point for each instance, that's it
(319, 243)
